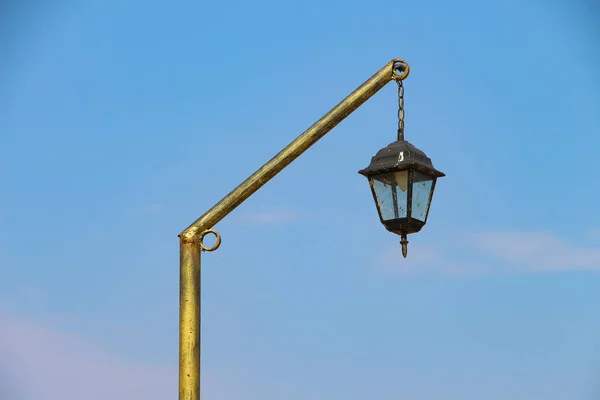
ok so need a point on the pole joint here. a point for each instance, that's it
(400, 69)
(191, 236)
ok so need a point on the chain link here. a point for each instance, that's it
(400, 109)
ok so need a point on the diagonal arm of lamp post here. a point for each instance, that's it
(191, 238)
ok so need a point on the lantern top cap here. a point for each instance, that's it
(398, 156)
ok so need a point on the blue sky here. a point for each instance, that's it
(121, 124)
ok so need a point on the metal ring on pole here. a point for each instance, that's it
(217, 243)
(397, 62)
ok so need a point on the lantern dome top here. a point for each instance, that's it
(400, 155)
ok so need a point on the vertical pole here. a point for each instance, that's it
(189, 318)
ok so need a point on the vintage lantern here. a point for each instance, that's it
(402, 179)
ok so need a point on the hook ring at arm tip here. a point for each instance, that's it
(217, 243)
(400, 69)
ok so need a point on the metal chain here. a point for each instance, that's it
(400, 109)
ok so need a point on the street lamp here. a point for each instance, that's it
(402, 180)
(401, 177)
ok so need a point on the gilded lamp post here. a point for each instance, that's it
(402, 180)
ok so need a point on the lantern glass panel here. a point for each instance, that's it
(391, 193)
(421, 195)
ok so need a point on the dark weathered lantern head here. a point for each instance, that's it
(402, 179)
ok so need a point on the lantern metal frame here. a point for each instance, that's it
(397, 157)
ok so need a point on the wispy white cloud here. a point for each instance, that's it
(44, 363)
(424, 260)
(538, 250)
(48, 364)
(31, 292)
(594, 234)
(152, 208)
(490, 252)
(275, 217)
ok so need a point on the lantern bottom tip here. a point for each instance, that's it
(404, 243)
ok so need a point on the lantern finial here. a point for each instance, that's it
(404, 243)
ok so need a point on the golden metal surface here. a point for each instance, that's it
(189, 318)
(395, 75)
(191, 237)
(214, 246)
